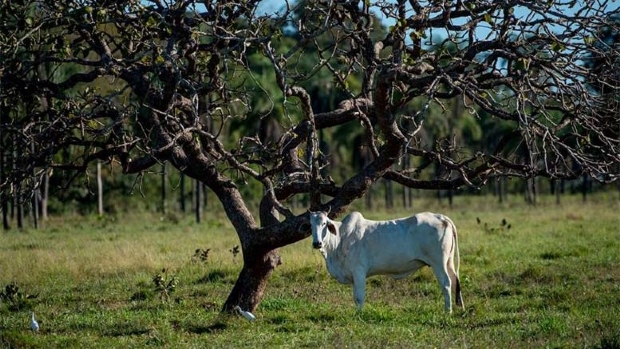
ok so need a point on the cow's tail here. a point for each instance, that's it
(456, 246)
(457, 263)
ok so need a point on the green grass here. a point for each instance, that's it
(550, 280)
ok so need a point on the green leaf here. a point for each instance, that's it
(488, 18)
(417, 34)
(151, 22)
(558, 46)
(522, 63)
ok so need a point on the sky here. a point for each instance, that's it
(483, 29)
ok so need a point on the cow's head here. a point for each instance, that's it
(321, 225)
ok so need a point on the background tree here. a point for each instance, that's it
(139, 83)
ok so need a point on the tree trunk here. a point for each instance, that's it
(4, 198)
(585, 184)
(163, 188)
(205, 197)
(530, 191)
(5, 214)
(406, 196)
(438, 172)
(555, 190)
(198, 200)
(252, 281)
(258, 265)
(45, 194)
(20, 208)
(368, 199)
(498, 190)
(36, 196)
(182, 194)
(389, 194)
(99, 190)
(407, 192)
(18, 194)
(35, 209)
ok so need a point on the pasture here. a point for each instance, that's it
(544, 276)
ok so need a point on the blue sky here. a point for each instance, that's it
(484, 29)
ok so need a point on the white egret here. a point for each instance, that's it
(34, 325)
(245, 314)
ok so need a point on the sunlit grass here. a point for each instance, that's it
(552, 278)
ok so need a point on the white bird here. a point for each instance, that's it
(245, 314)
(34, 325)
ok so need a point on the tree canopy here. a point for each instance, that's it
(231, 95)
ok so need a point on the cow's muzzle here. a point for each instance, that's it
(317, 244)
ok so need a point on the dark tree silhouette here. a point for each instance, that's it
(139, 83)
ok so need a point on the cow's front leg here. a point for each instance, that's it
(359, 289)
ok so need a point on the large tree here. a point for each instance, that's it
(136, 83)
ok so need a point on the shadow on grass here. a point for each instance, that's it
(215, 328)
(16, 339)
(321, 318)
(223, 276)
(609, 341)
(127, 332)
(493, 322)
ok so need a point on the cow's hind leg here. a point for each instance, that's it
(441, 273)
(456, 284)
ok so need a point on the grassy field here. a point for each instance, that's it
(545, 276)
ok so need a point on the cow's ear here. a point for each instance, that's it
(332, 228)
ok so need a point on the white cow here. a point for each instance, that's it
(357, 248)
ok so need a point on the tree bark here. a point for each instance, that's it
(258, 264)
(163, 188)
(45, 193)
(198, 201)
(407, 192)
(530, 191)
(20, 208)
(5, 214)
(18, 194)
(585, 186)
(389, 194)
(252, 281)
(36, 196)
(182, 194)
(99, 190)
(35, 209)
(4, 198)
